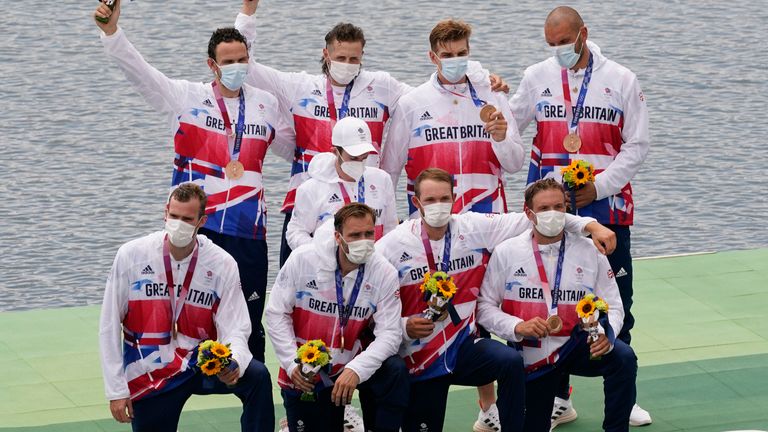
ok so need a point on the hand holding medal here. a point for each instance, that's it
(495, 123)
(554, 323)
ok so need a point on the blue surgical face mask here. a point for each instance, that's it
(566, 55)
(233, 75)
(454, 69)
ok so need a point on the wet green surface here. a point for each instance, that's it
(701, 339)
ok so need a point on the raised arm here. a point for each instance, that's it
(281, 84)
(162, 93)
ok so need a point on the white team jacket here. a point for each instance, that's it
(137, 287)
(320, 197)
(511, 292)
(432, 127)
(473, 235)
(613, 88)
(303, 306)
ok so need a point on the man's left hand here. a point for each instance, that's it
(603, 238)
(599, 347)
(498, 84)
(229, 376)
(345, 387)
(497, 127)
(585, 195)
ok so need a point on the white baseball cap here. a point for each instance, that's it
(353, 135)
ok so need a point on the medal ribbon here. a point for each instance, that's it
(346, 312)
(572, 116)
(553, 294)
(239, 128)
(360, 192)
(344, 101)
(472, 93)
(428, 249)
(178, 303)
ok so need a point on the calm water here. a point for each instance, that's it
(86, 164)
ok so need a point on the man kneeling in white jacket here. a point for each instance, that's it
(334, 289)
(338, 178)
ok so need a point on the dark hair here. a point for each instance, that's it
(342, 32)
(226, 34)
(539, 186)
(187, 191)
(436, 174)
(449, 30)
(352, 210)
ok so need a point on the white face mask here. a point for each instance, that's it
(437, 215)
(360, 251)
(353, 169)
(343, 73)
(550, 223)
(179, 233)
(233, 75)
(454, 69)
(566, 55)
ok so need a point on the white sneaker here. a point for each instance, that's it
(562, 412)
(488, 421)
(283, 424)
(639, 416)
(352, 420)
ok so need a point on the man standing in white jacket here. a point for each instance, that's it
(338, 178)
(529, 296)
(166, 293)
(591, 108)
(221, 132)
(334, 289)
(455, 122)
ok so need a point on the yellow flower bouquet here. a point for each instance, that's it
(589, 309)
(312, 356)
(578, 173)
(438, 289)
(213, 357)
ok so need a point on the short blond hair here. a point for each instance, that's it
(434, 174)
(449, 30)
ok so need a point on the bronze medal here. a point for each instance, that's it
(486, 112)
(572, 143)
(234, 170)
(175, 330)
(554, 323)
